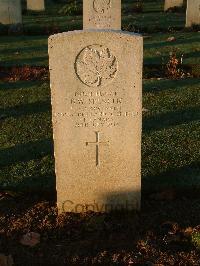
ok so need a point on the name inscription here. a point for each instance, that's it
(96, 109)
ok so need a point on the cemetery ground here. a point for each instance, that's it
(167, 230)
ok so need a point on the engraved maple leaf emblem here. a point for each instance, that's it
(100, 6)
(96, 66)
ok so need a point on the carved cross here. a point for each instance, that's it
(97, 143)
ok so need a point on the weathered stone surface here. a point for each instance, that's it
(10, 12)
(102, 14)
(96, 85)
(36, 5)
(172, 3)
(193, 13)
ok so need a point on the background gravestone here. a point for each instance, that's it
(10, 12)
(193, 13)
(97, 119)
(172, 3)
(35, 5)
(102, 14)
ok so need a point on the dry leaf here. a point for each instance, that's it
(30, 239)
(188, 231)
(6, 260)
(145, 110)
(171, 39)
(158, 53)
(147, 36)
(170, 228)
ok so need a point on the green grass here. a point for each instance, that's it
(26, 138)
(23, 50)
(33, 50)
(170, 135)
(157, 48)
(171, 132)
(155, 21)
(170, 128)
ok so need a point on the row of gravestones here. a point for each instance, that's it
(11, 10)
(192, 13)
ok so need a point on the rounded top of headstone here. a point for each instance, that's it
(92, 31)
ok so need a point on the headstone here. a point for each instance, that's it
(96, 85)
(36, 5)
(10, 12)
(102, 14)
(193, 13)
(172, 3)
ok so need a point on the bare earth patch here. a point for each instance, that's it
(24, 73)
(160, 235)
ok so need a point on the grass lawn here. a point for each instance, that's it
(170, 135)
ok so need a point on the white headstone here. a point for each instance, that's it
(36, 5)
(10, 12)
(96, 85)
(102, 14)
(172, 3)
(193, 13)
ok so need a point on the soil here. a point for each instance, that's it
(161, 234)
(12, 74)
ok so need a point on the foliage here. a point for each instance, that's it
(196, 239)
(136, 7)
(71, 8)
(173, 68)
(176, 9)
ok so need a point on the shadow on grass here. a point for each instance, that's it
(195, 54)
(186, 181)
(26, 152)
(25, 61)
(166, 43)
(26, 109)
(20, 41)
(27, 49)
(42, 186)
(166, 84)
(19, 85)
(169, 119)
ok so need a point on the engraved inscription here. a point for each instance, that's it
(96, 109)
(97, 143)
(96, 66)
(102, 21)
(101, 15)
